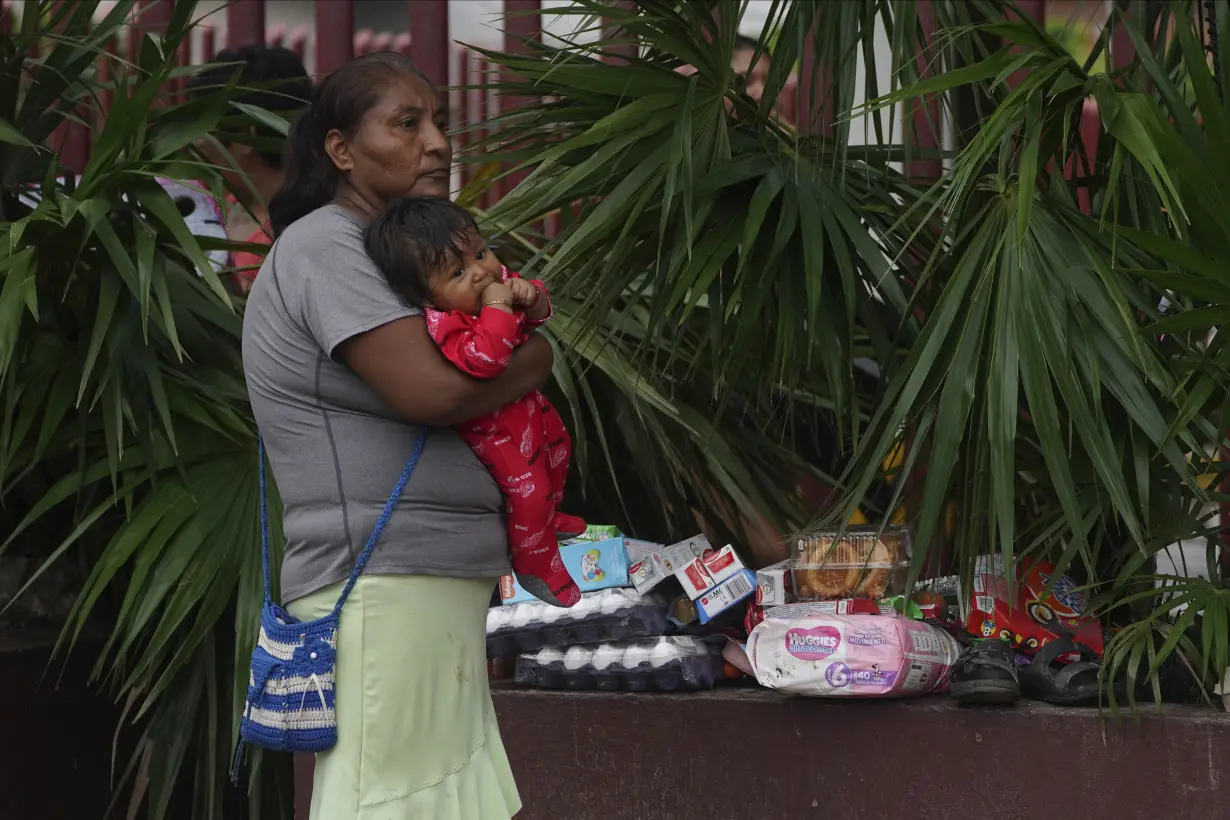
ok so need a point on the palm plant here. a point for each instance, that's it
(1016, 333)
(127, 446)
(127, 443)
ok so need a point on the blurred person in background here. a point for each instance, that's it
(272, 78)
(754, 75)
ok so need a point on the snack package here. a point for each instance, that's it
(860, 562)
(1032, 618)
(861, 656)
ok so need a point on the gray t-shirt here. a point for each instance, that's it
(335, 446)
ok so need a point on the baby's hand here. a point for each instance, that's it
(498, 295)
(525, 295)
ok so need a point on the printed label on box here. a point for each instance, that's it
(722, 564)
(773, 585)
(694, 579)
(647, 573)
(678, 555)
(724, 596)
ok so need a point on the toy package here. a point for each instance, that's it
(1033, 618)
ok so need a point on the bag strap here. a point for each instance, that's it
(381, 522)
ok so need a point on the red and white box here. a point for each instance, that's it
(722, 564)
(775, 585)
(694, 578)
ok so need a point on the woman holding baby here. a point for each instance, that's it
(343, 374)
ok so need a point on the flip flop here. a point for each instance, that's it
(1063, 684)
(985, 673)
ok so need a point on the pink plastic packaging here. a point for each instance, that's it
(852, 656)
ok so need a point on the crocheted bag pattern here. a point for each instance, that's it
(290, 701)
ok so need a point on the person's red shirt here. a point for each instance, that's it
(248, 260)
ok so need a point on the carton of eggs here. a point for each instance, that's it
(669, 664)
(605, 615)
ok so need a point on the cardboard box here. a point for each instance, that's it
(725, 595)
(594, 565)
(647, 573)
(698, 566)
(638, 550)
(680, 555)
(694, 578)
(722, 564)
(774, 585)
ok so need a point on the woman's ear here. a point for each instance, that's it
(338, 150)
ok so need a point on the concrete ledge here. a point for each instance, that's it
(56, 734)
(744, 753)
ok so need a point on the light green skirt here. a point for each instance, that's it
(417, 737)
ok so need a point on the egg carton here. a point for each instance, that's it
(605, 615)
(674, 664)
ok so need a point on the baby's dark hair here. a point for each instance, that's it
(414, 237)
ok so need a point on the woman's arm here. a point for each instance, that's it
(401, 363)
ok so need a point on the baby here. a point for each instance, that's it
(432, 254)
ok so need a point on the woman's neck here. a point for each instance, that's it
(350, 199)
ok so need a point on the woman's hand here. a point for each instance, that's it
(402, 364)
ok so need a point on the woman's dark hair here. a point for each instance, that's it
(269, 77)
(340, 101)
(413, 238)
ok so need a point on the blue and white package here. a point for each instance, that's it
(593, 565)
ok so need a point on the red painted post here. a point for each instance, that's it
(150, 16)
(926, 112)
(429, 40)
(6, 17)
(815, 101)
(1122, 49)
(104, 78)
(1035, 9)
(334, 34)
(298, 41)
(209, 46)
(464, 114)
(522, 22)
(611, 32)
(482, 70)
(245, 23)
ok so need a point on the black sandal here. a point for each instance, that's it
(985, 674)
(1071, 684)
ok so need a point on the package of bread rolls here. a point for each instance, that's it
(862, 562)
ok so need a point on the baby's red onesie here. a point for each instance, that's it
(524, 445)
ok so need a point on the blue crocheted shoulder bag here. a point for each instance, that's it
(289, 705)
